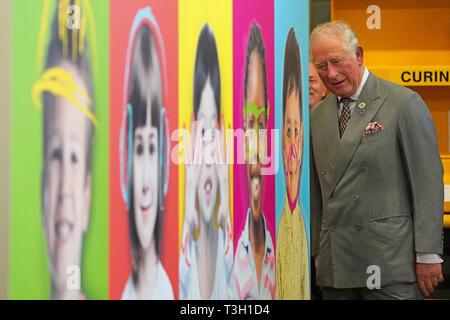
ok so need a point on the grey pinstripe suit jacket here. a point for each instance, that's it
(375, 199)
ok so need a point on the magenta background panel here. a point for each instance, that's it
(244, 13)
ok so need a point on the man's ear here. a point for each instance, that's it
(360, 55)
(87, 201)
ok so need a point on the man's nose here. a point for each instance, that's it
(332, 72)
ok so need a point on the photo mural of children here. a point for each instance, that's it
(145, 129)
(206, 257)
(68, 129)
(292, 246)
(254, 266)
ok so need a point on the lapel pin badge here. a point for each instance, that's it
(361, 108)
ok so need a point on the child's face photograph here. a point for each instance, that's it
(146, 158)
(145, 179)
(292, 143)
(255, 95)
(66, 183)
(207, 189)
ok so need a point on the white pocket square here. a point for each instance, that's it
(372, 128)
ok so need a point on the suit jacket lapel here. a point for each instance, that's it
(356, 126)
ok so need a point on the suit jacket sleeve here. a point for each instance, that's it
(425, 173)
(316, 205)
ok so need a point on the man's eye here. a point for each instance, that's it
(74, 158)
(140, 149)
(296, 132)
(261, 126)
(289, 132)
(251, 124)
(56, 155)
(322, 66)
(335, 61)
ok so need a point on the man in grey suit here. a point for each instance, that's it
(376, 179)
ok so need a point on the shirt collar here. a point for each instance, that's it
(355, 96)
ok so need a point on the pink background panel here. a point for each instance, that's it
(244, 13)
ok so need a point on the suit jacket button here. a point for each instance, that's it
(363, 169)
(355, 198)
(324, 172)
(358, 227)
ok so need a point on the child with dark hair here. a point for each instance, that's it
(292, 245)
(68, 128)
(254, 263)
(206, 258)
(145, 203)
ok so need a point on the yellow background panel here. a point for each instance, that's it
(193, 14)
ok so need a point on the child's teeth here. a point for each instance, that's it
(63, 230)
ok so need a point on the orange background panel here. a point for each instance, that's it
(413, 32)
(400, 21)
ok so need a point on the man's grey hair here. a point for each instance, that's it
(336, 29)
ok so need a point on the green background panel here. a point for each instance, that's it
(5, 98)
(29, 276)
